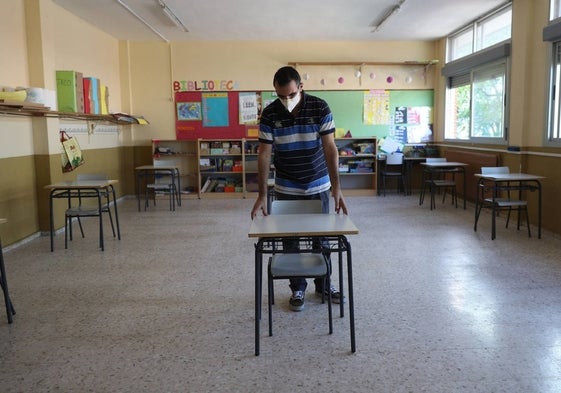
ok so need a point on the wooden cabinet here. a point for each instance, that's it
(181, 154)
(221, 168)
(357, 165)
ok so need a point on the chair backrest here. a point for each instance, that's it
(163, 163)
(494, 170)
(91, 176)
(432, 160)
(296, 206)
(394, 159)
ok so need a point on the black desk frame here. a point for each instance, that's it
(429, 173)
(70, 192)
(507, 185)
(148, 171)
(336, 244)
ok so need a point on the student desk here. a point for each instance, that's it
(409, 162)
(511, 182)
(83, 189)
(144, 171)
(10, 311)
(271, 230)
(434, 168)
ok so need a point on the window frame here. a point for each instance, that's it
(551, 34)
(475, 28)
(553, 135)
(466, 68)
(554, 9)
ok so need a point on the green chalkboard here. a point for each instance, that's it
(400, 119)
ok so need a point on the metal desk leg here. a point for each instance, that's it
(10, 311)
(465, 189)
(351, 294)
(51, 219)
(100, 220)
(138, 179)
(341, 289)
(116, 214)
(258, 278)
(539, 210)
(493, 219)
(178, 187)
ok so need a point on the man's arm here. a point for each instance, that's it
(332, 160)
(263, 167)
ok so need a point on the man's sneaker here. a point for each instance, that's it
(297, 301)
(335, 295)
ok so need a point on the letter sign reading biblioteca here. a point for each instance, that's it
(206, 85)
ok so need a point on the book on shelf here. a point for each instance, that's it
(205, 186)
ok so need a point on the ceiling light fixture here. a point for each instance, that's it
(140, 18)
(171, 15)
(387, 16)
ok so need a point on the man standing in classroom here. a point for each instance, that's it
(300, 129)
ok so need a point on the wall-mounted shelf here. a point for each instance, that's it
(363, 63)
(37, 110)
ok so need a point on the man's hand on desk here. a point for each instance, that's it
(339, 201)
(259, 205)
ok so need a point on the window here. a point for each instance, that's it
(477, 75)
(554, 9)
(475, 104)
(554, 131)
(483, 33)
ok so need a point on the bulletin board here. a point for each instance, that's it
(398, 113)
(214, 116)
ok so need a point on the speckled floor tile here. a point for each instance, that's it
(170, 308)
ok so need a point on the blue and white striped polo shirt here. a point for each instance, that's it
(299, 160)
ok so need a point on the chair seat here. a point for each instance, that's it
(443, 183)
(504, 202)
(159, 186)
(298, 265)
(82, 211)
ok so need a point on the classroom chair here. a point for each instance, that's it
(305, 261)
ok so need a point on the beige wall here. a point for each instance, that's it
(252, 65)
(38, 38)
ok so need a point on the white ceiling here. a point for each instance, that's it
(301, 20)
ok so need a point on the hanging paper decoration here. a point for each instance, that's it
(341, 80)
(389, 79)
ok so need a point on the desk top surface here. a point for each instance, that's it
(155, 168)
(82, 184)
(285, 225)
(3, 220)
(509, 176)
(444, 164)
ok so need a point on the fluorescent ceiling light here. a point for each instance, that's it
(140, 18)
(388, 15)
(171, 15)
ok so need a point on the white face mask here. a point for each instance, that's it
(290, 103)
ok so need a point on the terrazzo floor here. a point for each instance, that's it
(169, 308)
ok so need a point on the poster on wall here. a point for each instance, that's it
(215, 110)
(189, 111)
(413, 124)
(249, 105)
(376, 107)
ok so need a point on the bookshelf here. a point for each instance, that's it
(221, 168)
(181, 154)
(357, 165)
(228, 167)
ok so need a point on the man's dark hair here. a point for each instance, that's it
(285, 75)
